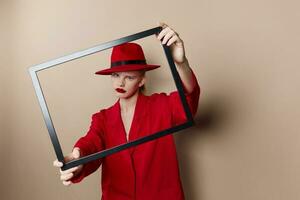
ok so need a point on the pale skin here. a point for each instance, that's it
(131, 81)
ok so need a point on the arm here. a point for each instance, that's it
(192, 98)
(92, 142)
(186, 76)
(188, 79)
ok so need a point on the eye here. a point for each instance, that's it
(114, 75)
(131, 77)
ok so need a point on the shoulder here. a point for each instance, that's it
(99, 115)
(105, 111)
(96, 117)
(162, 96)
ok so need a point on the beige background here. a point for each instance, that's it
(244, 54)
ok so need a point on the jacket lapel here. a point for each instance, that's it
(116, 123)
(139, 114)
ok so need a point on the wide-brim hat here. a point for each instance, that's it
(127, 57)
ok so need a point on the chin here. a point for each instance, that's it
(122, 95)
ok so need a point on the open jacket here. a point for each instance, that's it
(148, 171)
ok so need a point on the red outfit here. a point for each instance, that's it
(148, 171)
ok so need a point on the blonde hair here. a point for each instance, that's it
(142, 88)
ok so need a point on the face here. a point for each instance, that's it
(127, 83)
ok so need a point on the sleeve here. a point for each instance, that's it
(92, 142)
(176, 107)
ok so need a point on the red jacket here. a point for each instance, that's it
(145, 172)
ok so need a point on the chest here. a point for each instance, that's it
(127, 118)
(121, 127)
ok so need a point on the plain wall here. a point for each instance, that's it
(244, 53)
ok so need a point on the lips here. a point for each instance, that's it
(120, 90)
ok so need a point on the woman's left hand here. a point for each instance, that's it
(172, 39)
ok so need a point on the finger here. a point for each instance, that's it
(162, 24)
(56, 163)
(67, 183)
(66, 177)
(69, 157)
(163, 33)
(168, 36)
(76, 153)
(71, 170)
(172, 40)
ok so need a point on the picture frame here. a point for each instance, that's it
(33, 71)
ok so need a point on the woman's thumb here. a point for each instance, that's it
(76, 153)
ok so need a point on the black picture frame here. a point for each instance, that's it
(43, 105)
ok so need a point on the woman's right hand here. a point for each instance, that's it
(66, 175)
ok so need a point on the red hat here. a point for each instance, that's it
(127, 57)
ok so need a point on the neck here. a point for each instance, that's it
(129, 103)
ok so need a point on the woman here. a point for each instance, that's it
(150, 170)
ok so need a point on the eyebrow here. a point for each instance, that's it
(130, 75)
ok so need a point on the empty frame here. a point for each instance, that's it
(56, 62)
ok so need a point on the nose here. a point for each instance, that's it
(121, 82)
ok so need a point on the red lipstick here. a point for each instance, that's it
(120, 90)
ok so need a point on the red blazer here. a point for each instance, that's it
(145, 172)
